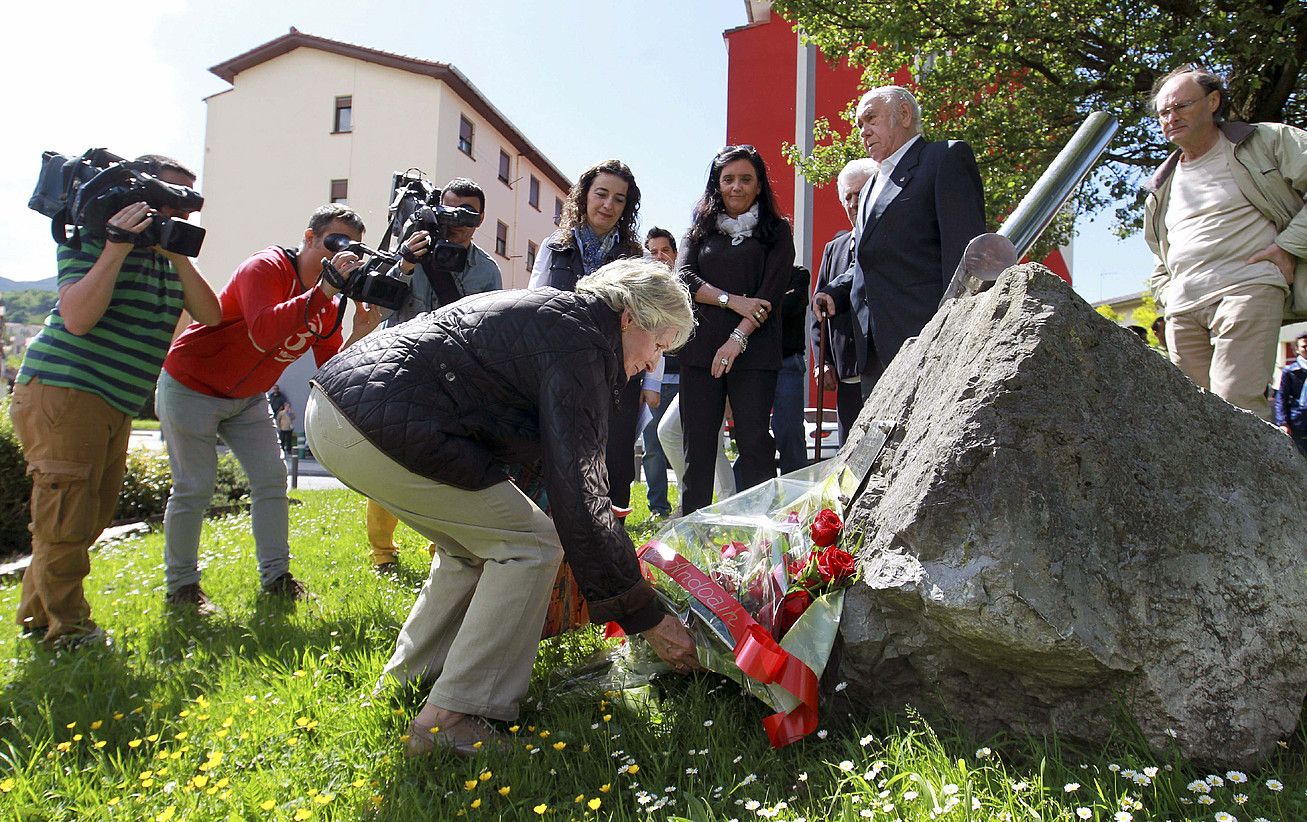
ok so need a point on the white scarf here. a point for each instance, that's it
(737, 228)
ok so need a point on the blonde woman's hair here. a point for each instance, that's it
(657, 297)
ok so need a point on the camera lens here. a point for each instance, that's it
(336, 243)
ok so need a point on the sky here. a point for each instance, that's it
(584, 81)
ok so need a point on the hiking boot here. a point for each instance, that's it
(466, 736)
(192, 598)
(287, 586)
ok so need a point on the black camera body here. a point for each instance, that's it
(367, 283)
(417, 207)
(119, 186)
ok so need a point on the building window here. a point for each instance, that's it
(340, 191)
(531, 249)
(505, 167)
(343, 122)
(533, 193)
(501, 240)
(465, 136)
(558, 210)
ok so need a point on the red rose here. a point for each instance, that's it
(835, 565)
(734, 549)
(792, 607)
(826, 528)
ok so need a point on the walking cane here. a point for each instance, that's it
(821, 385)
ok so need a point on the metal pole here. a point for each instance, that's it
(1056, 185)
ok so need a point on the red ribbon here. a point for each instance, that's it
(756, 653)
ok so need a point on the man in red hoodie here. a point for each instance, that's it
(275, 308)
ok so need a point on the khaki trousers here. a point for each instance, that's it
(75, 444)
(1228, 347)
(476, 624)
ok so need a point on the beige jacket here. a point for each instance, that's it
(1272, 173)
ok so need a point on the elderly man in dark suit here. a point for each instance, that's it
(914, 221)
(840, 372)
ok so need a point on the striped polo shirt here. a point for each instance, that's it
(119, 359)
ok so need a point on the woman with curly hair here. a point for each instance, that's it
(598, 226)
(736, 260)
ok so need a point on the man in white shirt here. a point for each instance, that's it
(1225, 239)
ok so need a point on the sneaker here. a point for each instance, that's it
(287, 586)
(192, 598)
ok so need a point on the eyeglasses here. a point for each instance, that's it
(1179, 108)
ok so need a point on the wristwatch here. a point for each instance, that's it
(724, 300)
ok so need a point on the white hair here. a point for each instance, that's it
(894, 95)
(657, 298)
(860, 170)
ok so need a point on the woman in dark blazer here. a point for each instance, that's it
(736, 261)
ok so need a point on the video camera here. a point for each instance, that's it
(119, 186)
(416, 207)
(85, 192)
(367, 283)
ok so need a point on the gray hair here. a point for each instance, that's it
(895, 95)
(864, 168)
(657, 297)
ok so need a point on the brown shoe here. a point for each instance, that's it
(466, 736)
(287, 586)
(192, 598)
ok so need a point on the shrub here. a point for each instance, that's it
(15, 488)
(144, 494)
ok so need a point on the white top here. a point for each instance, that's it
(1212, 230)
(885, 189)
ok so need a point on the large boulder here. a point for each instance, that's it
(1061, 525)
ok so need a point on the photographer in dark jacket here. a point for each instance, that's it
(425, 418)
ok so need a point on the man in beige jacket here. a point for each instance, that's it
(1225, 221)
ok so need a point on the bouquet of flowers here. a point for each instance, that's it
(759, 579)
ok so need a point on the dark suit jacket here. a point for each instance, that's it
(841, 349)
(906, 258)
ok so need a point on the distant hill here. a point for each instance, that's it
(7, 285)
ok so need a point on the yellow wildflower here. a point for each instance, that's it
(152, 738)
(71, 725)
(558, 746)
(476, 803)
(200, 781)
(469, 784)
(268, 805)
(512, 729)
(184, 714)
(594, 804)
(226, 723)
(608, 717)
(540, 809)
(135, 743)
(324, 798)
(7, 785)
(117, 715)
(606, 787)
(485, 775)
(302, 814)
(633, 768)
(502, 791)
(77, 737)
(294, 740)
(166, 814)
(95, 726)
(358, 783)
(100, 744)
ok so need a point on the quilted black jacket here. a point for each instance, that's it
(506, 378)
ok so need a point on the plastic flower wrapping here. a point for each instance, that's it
(759, 579)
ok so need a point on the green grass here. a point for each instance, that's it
(267, 712)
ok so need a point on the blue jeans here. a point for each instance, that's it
(787, 414)
(191, 423)
(655, 461)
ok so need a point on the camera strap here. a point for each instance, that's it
(442, 283)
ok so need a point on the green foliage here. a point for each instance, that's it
(1016, 80)
(144, 493)
(148, 478)
(28, 307)
(1109, 312)
(266, 712)
(15, 487)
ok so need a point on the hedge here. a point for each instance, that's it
(144, 493)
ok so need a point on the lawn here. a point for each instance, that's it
(266, 711)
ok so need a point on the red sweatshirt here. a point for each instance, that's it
(268, 322)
